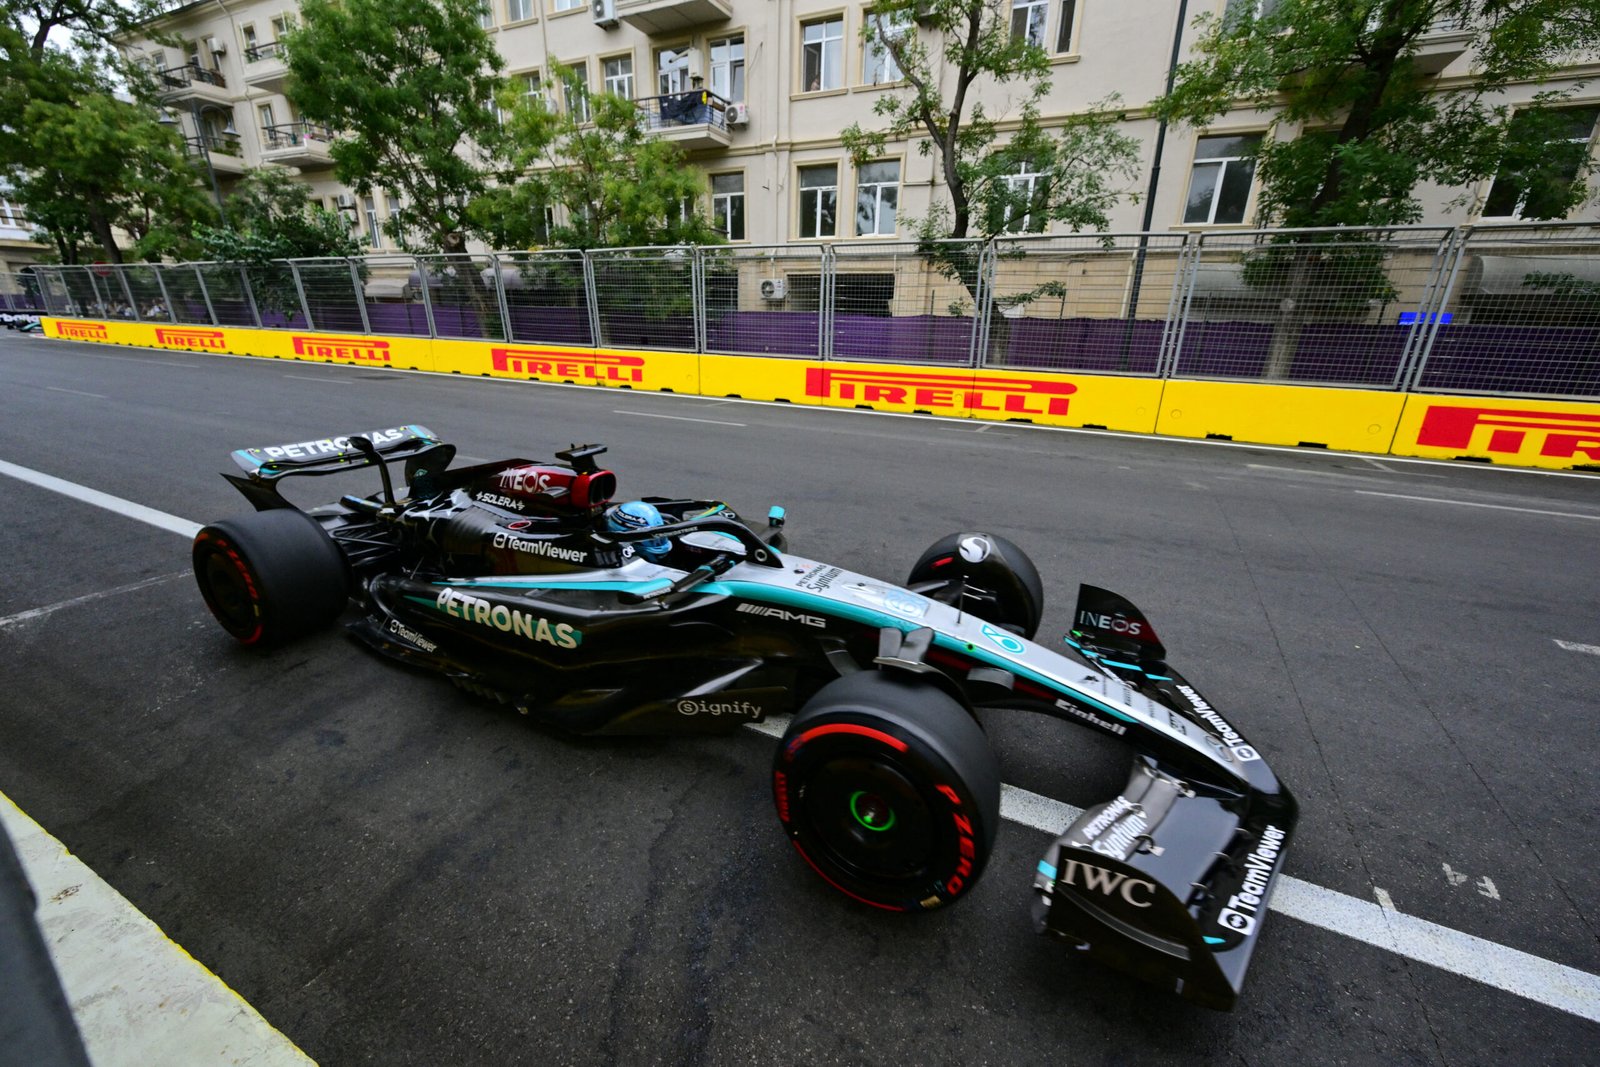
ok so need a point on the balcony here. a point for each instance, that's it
(297, 144)
(264, 67)
(696, 119)
(1441, 45)
(222, 150)
(190, 82)
(671, 16)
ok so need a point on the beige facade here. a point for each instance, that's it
(786, 76)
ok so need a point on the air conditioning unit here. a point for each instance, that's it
(218, 48)
(605, 12)
(738, 114)
(345, 201)
(925, 13)
(774, 289)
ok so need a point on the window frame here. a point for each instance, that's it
(822, 19)
(800, 196)
(741, 64)
(898, 184)
(1195, 160)
(744, 204)
(528, 8)
(870, 49)
(1044, 23)
(605, 79)
(584, 110)
(1522, 198)
(1065, 10)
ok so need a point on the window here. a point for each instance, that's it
(264, 117)
(822, 54)
(1540, 191)
(1024, 203)
(8, 215)
(1069, 20)
(369, 214)
(1241, 9)
(819, 200)
(727, 205)
(191, 53)
(519, 10)
(1219, 184)
(533, 89)
(247, 34)
(618, 72)
(727, 68)
(880, 65)
(672, 70)
(281, 27)
(877, 197)
(1028, 19)
(486, 15)
(391, 207)
(570, 5)
(575, 90)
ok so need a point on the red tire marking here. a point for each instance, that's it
(840, 888)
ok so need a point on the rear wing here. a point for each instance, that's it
(263, 467)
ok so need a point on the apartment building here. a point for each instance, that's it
(17, 247)
(785, 77)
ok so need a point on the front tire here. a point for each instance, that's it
(888, 789)
(985, 575)
(270, 577)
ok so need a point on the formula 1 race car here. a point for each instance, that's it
(512, 580)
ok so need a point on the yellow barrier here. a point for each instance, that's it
(1523, 433)
(667, 372)
(1532, 433)
(1357, 420)
(1046, 399)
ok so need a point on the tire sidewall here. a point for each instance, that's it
(945, 757)
(1007, 572)
(294, 575)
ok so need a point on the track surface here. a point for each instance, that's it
(392, 873)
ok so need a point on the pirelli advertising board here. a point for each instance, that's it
(1530, 433)
(1047, 399)
(672, 372)
(1523, 433)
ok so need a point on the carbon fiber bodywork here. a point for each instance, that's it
(501, 577)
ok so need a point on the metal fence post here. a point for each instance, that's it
(166, 296)
(827, 268)
(361, 296)
(983, 307)
(427, 297)
(697, 296)
(249, 292)
(1426, 348)
(121, 271)
(500, 296)
(1188, 303)
(299, 288)
(205, 294)
(1169, 325)
(1427, 310)
(591, 293)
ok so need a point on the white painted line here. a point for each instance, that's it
(137, 997)
(677, 418)
(149, 516)
(1573, 646)
(320, 381)
(37, 613)
(1472, 504)
(1555, 985)
(1523, 974)
(76, 392)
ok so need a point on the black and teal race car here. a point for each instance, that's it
(504, 578)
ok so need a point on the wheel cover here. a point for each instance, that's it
(867, 818)
(231, 593)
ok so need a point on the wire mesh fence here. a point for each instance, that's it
(645, 298)
(1085, 302)
(764, 300)
(907, 302)
(546, 297)
(1505, 309)
(1520, 314)
(1332, 306)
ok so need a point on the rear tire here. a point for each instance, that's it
(270, 577)
(888, 789)
(1002, 585)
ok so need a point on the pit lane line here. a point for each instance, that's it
(1378, 924)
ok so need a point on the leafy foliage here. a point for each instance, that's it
(407, 86)
(1351, 73)
(1079, 163)
(621, 186)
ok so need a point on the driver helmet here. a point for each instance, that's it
(638, 515)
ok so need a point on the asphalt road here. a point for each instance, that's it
(392, 873)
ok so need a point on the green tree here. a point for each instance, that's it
(407, 86)
(100, 163)
(622, 187)
(1001, 174)
(1352, 74)
(1361, 120)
